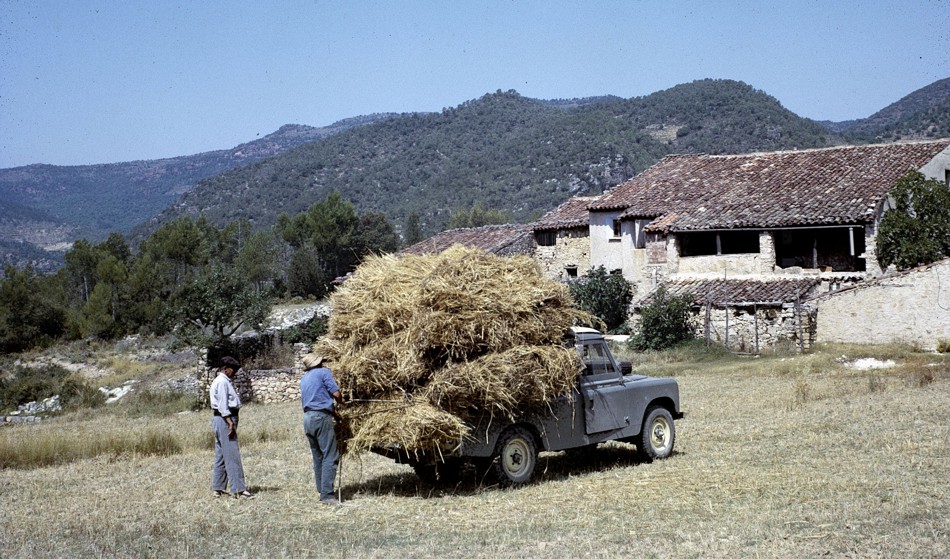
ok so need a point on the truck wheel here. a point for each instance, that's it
(515, 457)
(657, 434)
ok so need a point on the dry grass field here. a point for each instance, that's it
(795, 456)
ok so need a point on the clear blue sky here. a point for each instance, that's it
(95, 82)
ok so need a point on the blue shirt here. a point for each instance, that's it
(316, 389)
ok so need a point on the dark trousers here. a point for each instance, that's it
(322, 438)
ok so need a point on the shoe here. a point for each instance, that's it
(218, 493)
(331, 501)
(244, 495)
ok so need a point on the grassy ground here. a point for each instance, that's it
(777, 457)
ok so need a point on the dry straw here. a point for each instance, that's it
(423, 344)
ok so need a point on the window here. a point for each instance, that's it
(571, 271)
(546, 238)
(597, 359)
(618, 230)
(723, 242)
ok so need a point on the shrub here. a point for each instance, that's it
(307, 332)
(76, 393)
(664, 323)
(31, 384)
(604, 295)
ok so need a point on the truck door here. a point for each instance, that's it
(601, 387)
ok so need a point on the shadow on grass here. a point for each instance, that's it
(552, 466)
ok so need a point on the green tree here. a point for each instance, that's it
(215, 305)
(917, 230)
(305, 275)
(29, 313)
(664, 323)
(81, 261)
(376, 234)
(413, 232)
(604, 295)
(257, 258)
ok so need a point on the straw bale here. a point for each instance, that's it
(367, 371)
(416, 426)
(460, 332)
(510, 382)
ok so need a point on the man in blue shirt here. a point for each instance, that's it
(318, 393)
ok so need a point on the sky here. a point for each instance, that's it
(85, 82)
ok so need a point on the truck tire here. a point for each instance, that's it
(516, 455)
(657, 434)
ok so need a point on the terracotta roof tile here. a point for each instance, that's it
(826, 186)
(572, 213)
(739, 292)
(497, 239)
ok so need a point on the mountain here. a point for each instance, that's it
(92, 200)
(923, 114)
(502, 151)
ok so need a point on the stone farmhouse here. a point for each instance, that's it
(752, 238)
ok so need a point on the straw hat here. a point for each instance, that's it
(312, 360)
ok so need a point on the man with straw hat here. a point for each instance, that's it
(319, 393)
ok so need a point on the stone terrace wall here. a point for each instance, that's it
(912, 307)
(262, 386)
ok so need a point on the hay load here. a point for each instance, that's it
(423, 344)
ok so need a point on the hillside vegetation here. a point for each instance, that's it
(923, 114)
(502, 151)
(117, 196)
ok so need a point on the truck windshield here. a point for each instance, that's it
(597, 359)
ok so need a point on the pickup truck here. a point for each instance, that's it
(608, 404)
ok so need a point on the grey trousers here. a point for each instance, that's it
(322, 438)
(227, 458)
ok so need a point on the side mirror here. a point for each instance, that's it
(626, 367)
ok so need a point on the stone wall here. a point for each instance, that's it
(912, 307)
(758, 329)
(261, 386)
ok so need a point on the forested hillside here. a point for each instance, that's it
(98, 199)
(502, 151)
(923, 114)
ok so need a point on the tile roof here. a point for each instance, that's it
(829, 186)
(572, 213)
(497, 239)
(738, 292)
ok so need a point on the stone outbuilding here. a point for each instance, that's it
(747, 316)
(562, 238)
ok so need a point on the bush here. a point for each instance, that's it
(28, 385)
(664, 323)
(306, 333)
(604, 295)
(76, 393)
